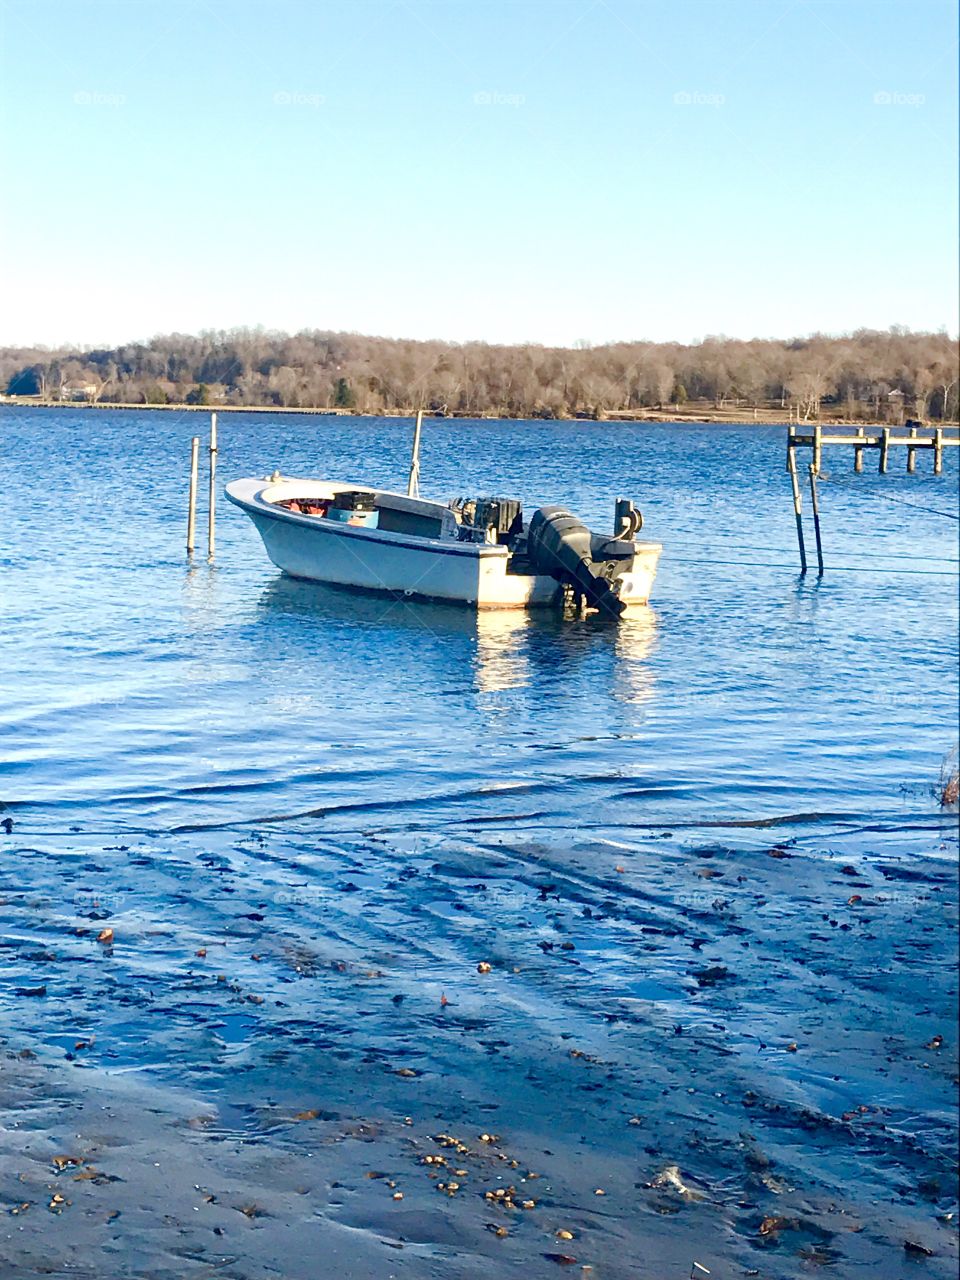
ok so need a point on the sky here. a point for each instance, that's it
(552, 171)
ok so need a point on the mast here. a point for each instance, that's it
(413, 484)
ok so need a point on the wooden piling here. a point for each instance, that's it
(884, 450)
(797, 508)
(938, 451)
(192, 500)
(211, 516)
(911, 452)
(817, 447)
(858, 451)
(815, 504)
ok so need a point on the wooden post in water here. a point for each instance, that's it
(816, 519)
(884, 450)
(797, 507)
(791, 441)
(912, 453)
(938, 451)
(413, 484)
(817, 447)
(212, 514)
(192, 501)
(858, 453)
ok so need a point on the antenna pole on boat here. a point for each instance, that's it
(413, 484)
(212, 518)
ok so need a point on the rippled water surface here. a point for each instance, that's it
(682, 844)
(153, 695)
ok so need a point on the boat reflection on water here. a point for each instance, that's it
(502, 650)
(634, 641)
(501, 661)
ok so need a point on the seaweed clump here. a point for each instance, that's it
(949, 788)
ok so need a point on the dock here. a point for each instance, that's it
(917, 437)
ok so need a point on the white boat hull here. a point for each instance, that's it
(373, 559)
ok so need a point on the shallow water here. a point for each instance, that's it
(347, 804)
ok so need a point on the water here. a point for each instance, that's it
(348, 803)
(143, 694)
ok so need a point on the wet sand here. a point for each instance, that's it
(615, 1054)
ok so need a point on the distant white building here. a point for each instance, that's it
(79, 389)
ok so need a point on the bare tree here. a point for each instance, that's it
(853, 374)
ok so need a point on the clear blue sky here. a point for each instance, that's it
(510, 171)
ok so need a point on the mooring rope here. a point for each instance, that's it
(948, 515)
(840, 568)
(886, 555)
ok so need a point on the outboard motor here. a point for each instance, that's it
(559, 545)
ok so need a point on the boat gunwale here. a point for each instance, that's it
(435, 546)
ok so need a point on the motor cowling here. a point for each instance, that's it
(561, 546)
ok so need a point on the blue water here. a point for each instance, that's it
(141, 692)
(677, 891)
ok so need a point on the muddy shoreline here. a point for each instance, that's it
(694, 415)
(293, 1048)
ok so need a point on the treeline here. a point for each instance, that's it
(864, 375)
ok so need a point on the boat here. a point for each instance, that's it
(478, 552)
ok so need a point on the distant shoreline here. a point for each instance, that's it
(694, 415)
